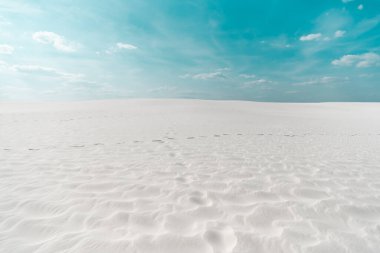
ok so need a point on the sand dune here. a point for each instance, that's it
(189, 176)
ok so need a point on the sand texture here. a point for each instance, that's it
(189, 176)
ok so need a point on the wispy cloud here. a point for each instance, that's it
(6, 49)
(191, 40)
(339, 33)
(262, 82)
(319, 36)
(121, 45)
(162, 89)
(322, 80)
(310, 37)
(365, 26)
(258, 81)
(56, 40)
(3, 65)
(43, 71)
(328, 28)
(217, 74)
(333, 20)
(18, 7)
(291, 92)
(211, 75)
(280, 42)
(34, 69)
(247, 76)
(47, 71)
(4, 22)
(359, 60)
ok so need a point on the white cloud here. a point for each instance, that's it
(6, 49)
(34, 68)
(162, 89)
(328, 79)
(247, 76)
(43, 71)
(257, 83)
(56, 75)
(310, 37)
(291, 91)
(280, 42)
(339, 33)
(211, 75)
(121, 45)
(359, 61)
(360, 7)
(217, 74)
(56, 40)
(322, 80)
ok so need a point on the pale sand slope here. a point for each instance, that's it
(189, 176)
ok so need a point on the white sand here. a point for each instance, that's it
(189, 176)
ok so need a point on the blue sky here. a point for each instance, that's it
(272, 50)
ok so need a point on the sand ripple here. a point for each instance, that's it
(255, 182)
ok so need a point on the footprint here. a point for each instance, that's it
(199, 201)
(6, 149)
(221, 237)
(33, 149)
(189, 138)
(77, 146)
(158, 141)
(309, 193)
(97, 144)
(216, 135)
(182, 179)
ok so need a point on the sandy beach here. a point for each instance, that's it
(189, 176)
